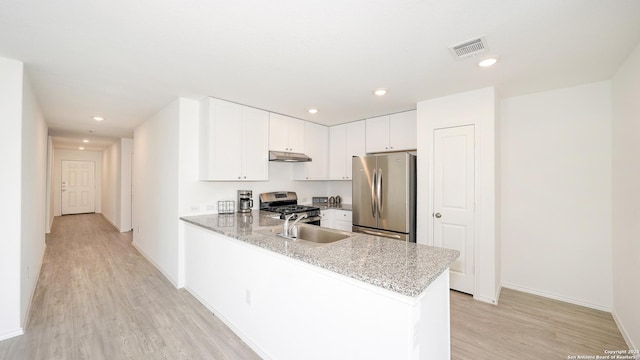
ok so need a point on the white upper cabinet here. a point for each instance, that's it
(378, 134)
(286, 133)
(345, 141)
(393, 132)
(316, 146)
(255, 144)
(233, 142)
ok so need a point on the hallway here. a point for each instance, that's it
(98, 298)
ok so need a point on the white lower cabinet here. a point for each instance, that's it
(336, 219)
(342, 220)
(326, 218)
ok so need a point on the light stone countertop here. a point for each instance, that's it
(398, 266)
(324, 206)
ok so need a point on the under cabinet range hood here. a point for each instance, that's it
(288, 156)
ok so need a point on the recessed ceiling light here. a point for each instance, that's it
(85, 141)
(313, 111)
(380, 92)
(488, 62)
(81, 148)
(98, 118)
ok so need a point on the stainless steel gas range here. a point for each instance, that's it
(285, 203)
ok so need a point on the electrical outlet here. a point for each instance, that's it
(195, 208)
(248, 297)
(28, 273)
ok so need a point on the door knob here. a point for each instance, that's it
(437, 215)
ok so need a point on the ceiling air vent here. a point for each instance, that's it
(469, 48)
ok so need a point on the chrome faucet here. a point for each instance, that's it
(287, 229)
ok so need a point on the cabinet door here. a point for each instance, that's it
(316, 145)
(377, 134)
(296, 137)
(402, 131)
(355, 144)
(337, 151)
(278, 132)
(342, 220)
(220, 145)
(255, 144)
(326, 218)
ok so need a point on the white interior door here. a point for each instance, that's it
(78, 187)
(454, 200)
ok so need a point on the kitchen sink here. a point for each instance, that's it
(311, 233)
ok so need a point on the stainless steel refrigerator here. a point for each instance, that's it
(384, 195)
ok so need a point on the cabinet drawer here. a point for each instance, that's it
(343, 215)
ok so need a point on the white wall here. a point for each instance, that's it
(23, 145)
(82, 155)
(50, 163)
(34, 196)
(10, 193)
(556, 194)
(342, 188)
(473, 107)
(626, 198)
(126, 151)
(111, 184)
(116, 184)
(155, 178)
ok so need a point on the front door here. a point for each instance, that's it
(454, 200)
(78, 188)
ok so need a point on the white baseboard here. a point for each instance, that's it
(623, 331)
(48, 230)
(498, 291)
(111, 222)
(485, 299)
(235, 330)
(556, 297)
(156, 265)
(10, 334)
(488, 300)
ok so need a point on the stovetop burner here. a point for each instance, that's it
(286, 203)
(290, 209)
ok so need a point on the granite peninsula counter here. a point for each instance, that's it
(361, 297)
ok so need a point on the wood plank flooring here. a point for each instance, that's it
(524, 326)
(98, 298)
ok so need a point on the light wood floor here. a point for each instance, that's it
(524, 326)
(98, 298)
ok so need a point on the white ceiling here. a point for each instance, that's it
(125, 60)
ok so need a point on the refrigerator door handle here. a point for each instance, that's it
(379, 192)
(373, 195)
